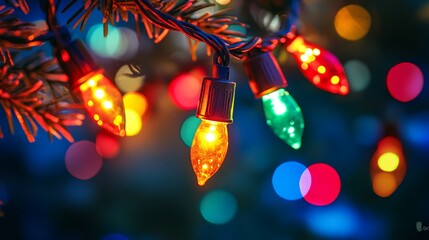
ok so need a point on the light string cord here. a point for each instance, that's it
(166, 21)
(284, 36)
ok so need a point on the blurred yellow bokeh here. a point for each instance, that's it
(135, 101)
(133, 122)
(388, 162)
(223, 2)
(352, 22)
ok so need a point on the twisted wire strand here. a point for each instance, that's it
(166, 21)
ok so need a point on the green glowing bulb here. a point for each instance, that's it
(284, 116)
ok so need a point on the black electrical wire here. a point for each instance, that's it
(166, 21)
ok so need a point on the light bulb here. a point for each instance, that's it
(319, 66)
(101, 98)
(267, 81)
(103, 101)
(284, 116)
(209, 149)
(387, 166)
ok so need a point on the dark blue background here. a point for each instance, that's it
(149, 190)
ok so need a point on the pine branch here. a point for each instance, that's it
(217, 23)
(15, 34)
(36, 91)
(21, 4)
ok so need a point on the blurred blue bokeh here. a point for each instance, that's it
(149, 190)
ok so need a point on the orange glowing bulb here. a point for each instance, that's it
(103, 101)
(388, 166)
(209, 149)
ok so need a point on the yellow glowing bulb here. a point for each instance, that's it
(107, 104)
(316, 52)
(134, 122)
(103, 101)
(99, 93)
(388, 162)
(304, 58)
(223, 2)
(335, 79)
(209, 149)
(321, 69)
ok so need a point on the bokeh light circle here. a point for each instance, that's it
(218, 207)
(352, 22)
(120, 43)
(107, 145)
(325, 184)
(286, 179)
(133, 122)
(223, 2)
(305, 182)
(126, 81)
(82, 160)
(135, 101)
(388, 161)
(109, 46)
(130, 43)
(188, 129)
(415, 130)
(358, 75)
(404, 81)
(338, 221)
(184, 90)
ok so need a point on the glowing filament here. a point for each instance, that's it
(209, 149)
(388, 162)
(99, 93)
(103, 101)
(335, 79)
(107, 104)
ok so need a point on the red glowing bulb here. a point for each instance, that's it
(103, 101)
(319, 66)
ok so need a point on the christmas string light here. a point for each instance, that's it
(215, 108)
(319, 66)
(209, 149)
(283, 114)
(103, 100)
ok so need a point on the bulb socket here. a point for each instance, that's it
(216, 100)
(75, 61)
(264, 74)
